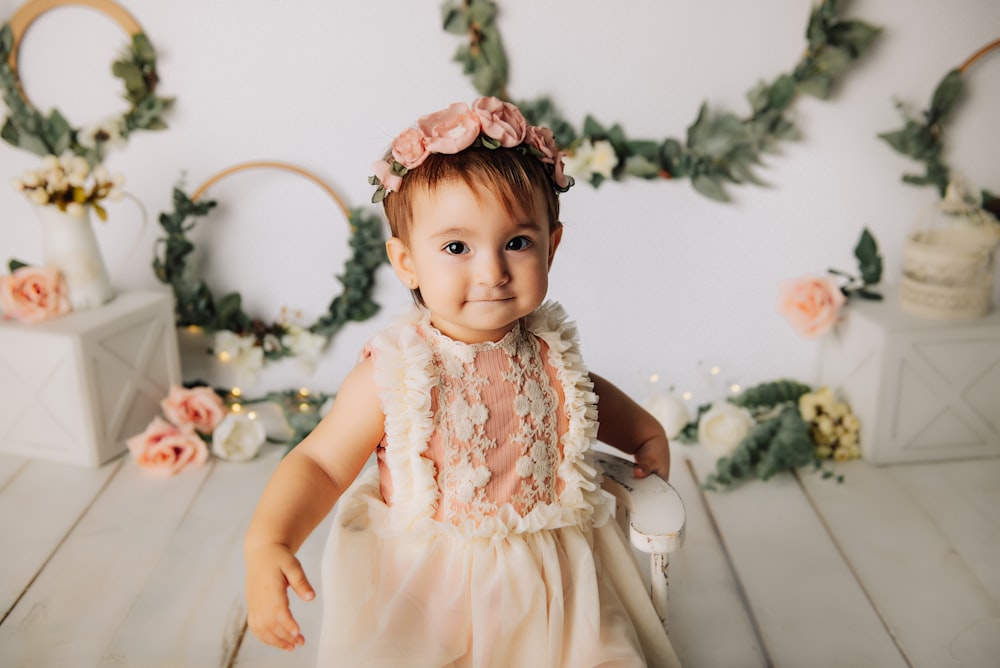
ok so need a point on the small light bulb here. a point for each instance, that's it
(236, 408)
(236, 392)
(303, 407)
(252, 415)
(654, 378)
(224, 356)
(687, 396)
(304, 392)
(734, 388)
(715, 371)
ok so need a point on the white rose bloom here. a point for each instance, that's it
(241, 352)
(74, 209)
(304, 344)
(670, 410)
(723, 426)
(39, 196)
(238, 438)
(604, 159)
(577, 165)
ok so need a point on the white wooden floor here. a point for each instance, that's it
(897, 566)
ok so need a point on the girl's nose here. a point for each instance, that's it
(492, 271)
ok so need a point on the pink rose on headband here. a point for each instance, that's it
(164, 449)
(33, 294)
(811, 303)
(199, 408)
(544, 143)
(450, 130)
(501, 121)
(383, 171)
(410, 149)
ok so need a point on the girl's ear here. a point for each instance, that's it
(402, 262)
(554, 238)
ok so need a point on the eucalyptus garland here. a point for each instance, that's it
(720, 147)
(27, 128)
(197, 306)
(922, 138)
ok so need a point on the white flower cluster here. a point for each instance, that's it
(833, 426)
(591, 158)
(69, 183)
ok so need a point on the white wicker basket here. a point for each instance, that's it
(949, 261)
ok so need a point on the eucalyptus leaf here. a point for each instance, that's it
(869, 260)
(857, 36)
(710, 188)
(14, 265)
(454, 20)
(945, 96)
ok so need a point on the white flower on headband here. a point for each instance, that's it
(490, 121)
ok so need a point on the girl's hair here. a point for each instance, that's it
(513, 176)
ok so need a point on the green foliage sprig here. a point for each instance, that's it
(720, 147)
(922, 137)
(779, 441)
(197, 306)
(28, 129)
(869, 268)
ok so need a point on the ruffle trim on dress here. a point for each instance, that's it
(582, 488)
(403, 375)
(404, 383)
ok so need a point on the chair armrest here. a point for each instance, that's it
(655, 510)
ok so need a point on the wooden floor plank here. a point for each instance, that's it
(931, 599)
(708, 622)
(963, 498)
(810, 609)
(76, 604)
(39, 504)
(192, 609)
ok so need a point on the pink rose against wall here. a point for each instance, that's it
(811, 304)
(33, 294)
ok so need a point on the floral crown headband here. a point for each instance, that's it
(490, 121)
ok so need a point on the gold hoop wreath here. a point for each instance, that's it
(923, 138)
(27, 128)
(197, 306)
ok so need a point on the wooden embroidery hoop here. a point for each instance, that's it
(273, 164)
(30, 11)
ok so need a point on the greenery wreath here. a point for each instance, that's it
(923, 138)
(197, 306)
(27, 128)
(720, 147)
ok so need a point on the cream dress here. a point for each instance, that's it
(483, 538)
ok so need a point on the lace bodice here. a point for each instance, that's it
(491, 430)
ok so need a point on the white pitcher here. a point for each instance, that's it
(69, 244)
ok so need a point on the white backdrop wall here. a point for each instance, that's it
(658, 277)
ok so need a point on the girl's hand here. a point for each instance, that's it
(271, 569)
(653, 456)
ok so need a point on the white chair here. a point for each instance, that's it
(651, 512)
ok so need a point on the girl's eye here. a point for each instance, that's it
(456, 248)
(518, 243)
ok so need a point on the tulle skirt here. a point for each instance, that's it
(434, 596)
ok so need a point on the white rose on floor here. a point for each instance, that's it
(723, 426)
(670, 410)
(238, 438)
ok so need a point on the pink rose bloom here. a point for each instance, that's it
(410, 148)
(501, 121)
(544, 142)
(33, 294)
(199, 408)
(450, 130)
(811, 303)
(383, 171)
(542, 139)
(164, 449)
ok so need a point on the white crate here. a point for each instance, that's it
(74, 388)
(923, 389)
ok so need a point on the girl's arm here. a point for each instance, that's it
(299, 495)
(629, 427)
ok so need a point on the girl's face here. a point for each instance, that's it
(478, 270)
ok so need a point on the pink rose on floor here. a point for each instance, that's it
(410, 148)
(33, 294)
(164, 449)
(383, 172)
(501, 121)
(199, 408)
(811, 303)
(450, 130)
